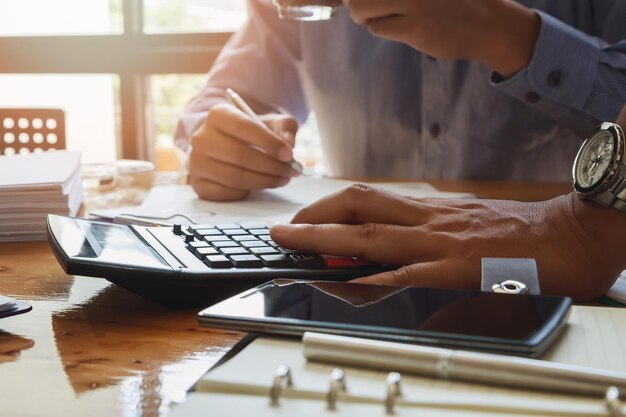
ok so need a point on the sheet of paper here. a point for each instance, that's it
(618, 291)
(39, 170)
(179, 204)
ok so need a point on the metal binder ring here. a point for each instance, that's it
(510, 287)
(282, 379)
(612, 402)
(393, 392)
(337, 385)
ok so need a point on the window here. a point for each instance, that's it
(108, 69)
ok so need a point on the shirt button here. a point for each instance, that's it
(435, 130)
(532, 97)
(554, 78)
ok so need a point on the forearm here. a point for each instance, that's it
(574, 78)
(259, 62)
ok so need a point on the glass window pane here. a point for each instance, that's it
(89, 102)
(60, 17)
(168, 96)
(167, 16)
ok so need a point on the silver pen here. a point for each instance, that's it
(236, 100)
(486, 368)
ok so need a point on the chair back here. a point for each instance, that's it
(31, 130)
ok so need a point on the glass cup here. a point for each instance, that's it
(307, 10)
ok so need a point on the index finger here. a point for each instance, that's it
(363, 204)
(372, 242)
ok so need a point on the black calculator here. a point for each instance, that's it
(189, 264)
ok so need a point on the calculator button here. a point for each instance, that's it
(259, 231)
(360, 262)
(336, 262)
(272, 243)
(197, 244)
(253, 244)
(246, 261)
(244, 237)
(177, 229)
(203, 252)
(227, 226)
(207, 232)
(212, 239)
(233, 232)
(252, 225)
(265, 237)
(188, 237)
(225, 244)
(276, 261)
(195, 227)
(307, 261)
(287, 251)
(234, 251)
(218, 261)
(264, 251)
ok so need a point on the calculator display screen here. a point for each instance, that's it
(398, 310)
(109, 243)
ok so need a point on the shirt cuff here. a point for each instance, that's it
(562, 71)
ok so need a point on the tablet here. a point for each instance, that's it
(524, 325)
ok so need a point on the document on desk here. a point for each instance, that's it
(595, 338)
(180, 204)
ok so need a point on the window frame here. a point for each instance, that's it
(132, 55)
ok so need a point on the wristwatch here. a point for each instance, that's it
(599, 169)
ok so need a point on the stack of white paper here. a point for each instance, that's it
(33, 185)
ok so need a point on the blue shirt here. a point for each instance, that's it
(386, 110)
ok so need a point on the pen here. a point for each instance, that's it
(236, 100)
(486, 368)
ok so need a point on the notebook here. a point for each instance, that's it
(596, 337)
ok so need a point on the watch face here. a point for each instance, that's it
(594, 159)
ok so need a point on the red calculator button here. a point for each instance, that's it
(334, 262)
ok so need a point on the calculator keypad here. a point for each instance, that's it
(249, 245)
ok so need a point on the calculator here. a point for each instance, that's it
(188, 265)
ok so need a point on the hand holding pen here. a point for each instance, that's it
(234, 153)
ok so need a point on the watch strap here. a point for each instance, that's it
(495, 271)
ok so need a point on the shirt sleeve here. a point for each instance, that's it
(577, 79)
(260, 62)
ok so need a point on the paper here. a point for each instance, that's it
(618, 290)
(34, 185)
(180, 204)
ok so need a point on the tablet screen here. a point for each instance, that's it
(387, 309)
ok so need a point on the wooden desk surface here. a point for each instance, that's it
(90, 348)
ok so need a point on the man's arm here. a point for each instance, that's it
(575, 78)
(230, 154)
(259, 62)
(578, 245)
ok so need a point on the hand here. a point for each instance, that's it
(232, 155)
(440, 242)
(499, 33)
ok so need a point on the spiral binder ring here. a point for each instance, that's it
(282, 379)
(337, 385)
(393, 392)
(613, 403)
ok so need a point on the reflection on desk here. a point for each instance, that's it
(11, 345)
(92, 348)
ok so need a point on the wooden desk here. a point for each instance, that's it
(90, 348)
